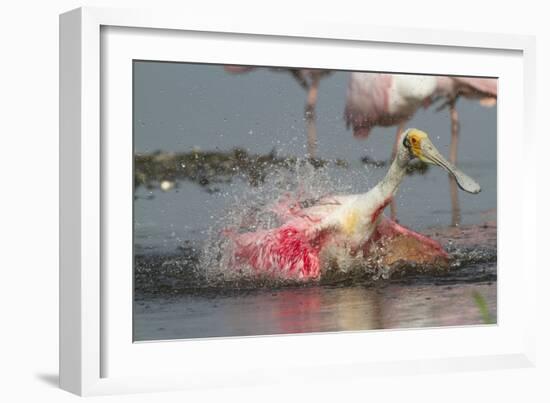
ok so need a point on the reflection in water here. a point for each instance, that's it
(332, 310)
(312, 309)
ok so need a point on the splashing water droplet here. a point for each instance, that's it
(255, 209)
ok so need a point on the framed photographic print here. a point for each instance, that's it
(244, 200)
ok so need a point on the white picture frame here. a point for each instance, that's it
(96, 358)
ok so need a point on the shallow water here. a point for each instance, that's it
(311, 309)
(171, 302)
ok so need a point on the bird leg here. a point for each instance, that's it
(453, 149)
(299, 77)
(309, 115)
(393, 206)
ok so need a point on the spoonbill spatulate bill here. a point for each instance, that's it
(345, 228)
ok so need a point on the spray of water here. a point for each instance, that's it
(253, 210)
(211, 264)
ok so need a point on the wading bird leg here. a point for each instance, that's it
(299, 77)
(453, 151)
(454, 132)
(309, 115)
(393, 206)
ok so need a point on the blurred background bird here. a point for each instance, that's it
(381, 99)
(309, 80)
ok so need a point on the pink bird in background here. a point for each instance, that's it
(309, 80)
(381, 99)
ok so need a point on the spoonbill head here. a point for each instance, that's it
(418, 145)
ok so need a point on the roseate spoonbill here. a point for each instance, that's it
(380, 99)
(309, 80)
(338, 230)
(451, 88)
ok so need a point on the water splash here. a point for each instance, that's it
(255, 209)
(249, 209)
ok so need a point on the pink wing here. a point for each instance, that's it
(283, 251)
(287, 250)
(292, 250)
(405, 245)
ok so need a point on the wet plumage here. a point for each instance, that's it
(342, 225)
